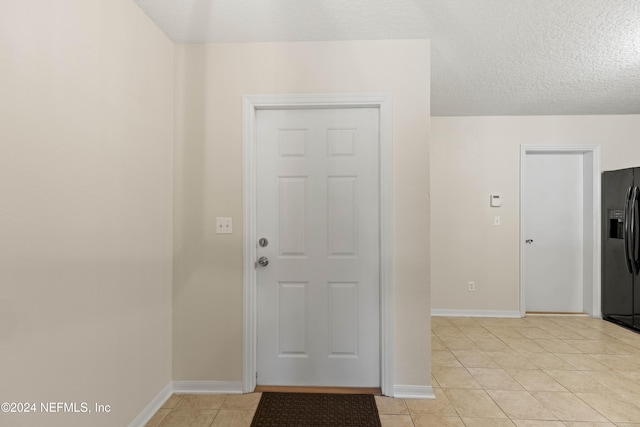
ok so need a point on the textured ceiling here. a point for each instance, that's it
(489, 57)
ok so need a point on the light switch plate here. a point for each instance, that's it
(224, 225)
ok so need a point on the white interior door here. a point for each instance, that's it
(318, 208)
(554, 215)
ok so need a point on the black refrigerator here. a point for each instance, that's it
(621, 247)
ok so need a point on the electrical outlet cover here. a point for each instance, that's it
(224, 225)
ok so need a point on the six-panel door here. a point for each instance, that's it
(318, 207)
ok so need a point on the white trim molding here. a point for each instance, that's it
(594, 310)
(384, 103)
(190, 387)
(438, 312)
(413, 392)
(150, 410)
(207, 387)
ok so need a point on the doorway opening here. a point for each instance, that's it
(560, 202)
(252, 104)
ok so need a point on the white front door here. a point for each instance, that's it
(318, 209)
(554, 215)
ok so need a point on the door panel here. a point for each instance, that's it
(292, 319)
(554, 223)
(341, 207)
(343, 319)
(318, 205)
(292, 215)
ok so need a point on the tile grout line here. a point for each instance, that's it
(471, 375)
(604, 356)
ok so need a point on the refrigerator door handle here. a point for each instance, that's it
(635, 264)
(626, 234)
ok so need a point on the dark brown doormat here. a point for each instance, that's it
(316, 410)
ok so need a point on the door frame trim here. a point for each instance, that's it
(252, 103)
(594, 150)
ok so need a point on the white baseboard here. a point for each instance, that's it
(191, 387)
(413, 392)
(148, 412)
(208, 387)
(475, 313)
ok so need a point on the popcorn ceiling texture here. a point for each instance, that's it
(489, 57)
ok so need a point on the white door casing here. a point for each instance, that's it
(343, 290)
(318, 208)
(590, 156)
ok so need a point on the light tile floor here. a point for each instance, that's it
(533, 372)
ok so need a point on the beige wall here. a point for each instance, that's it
(472, 157)
(86, 113)
(210, 82)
